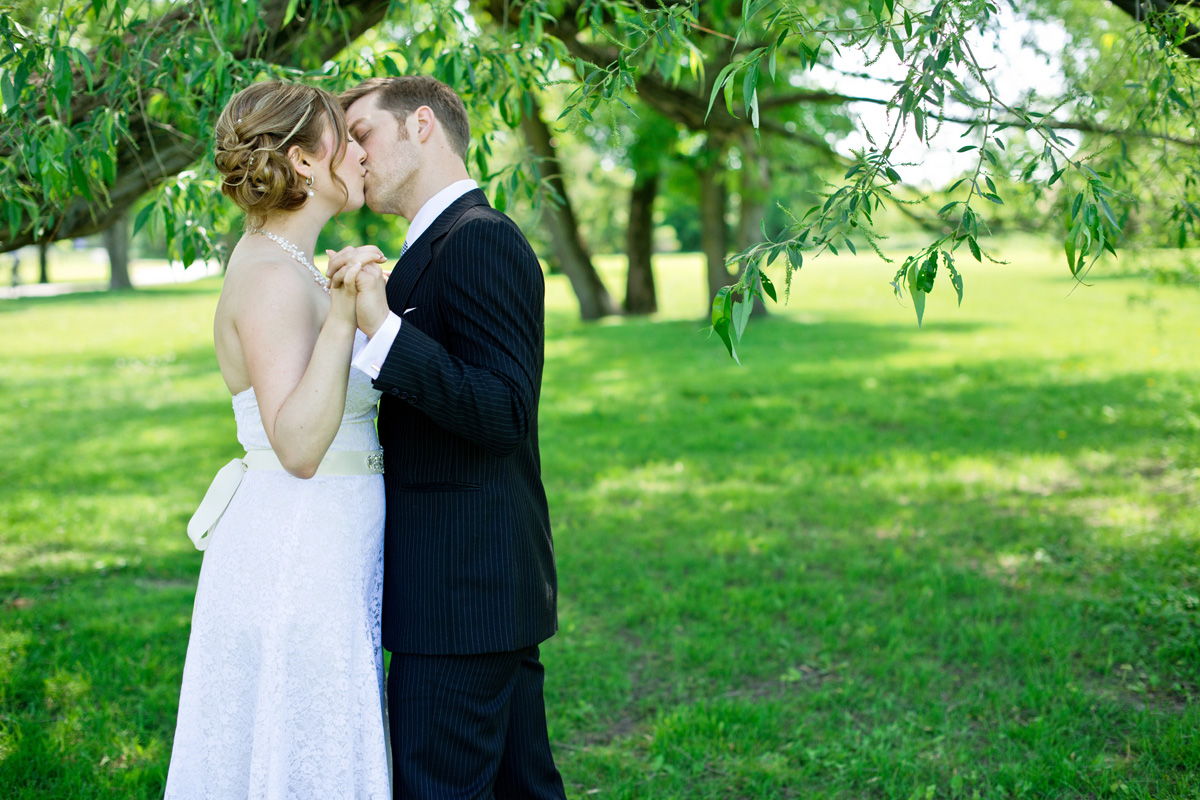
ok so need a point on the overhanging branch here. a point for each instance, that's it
(172, 152)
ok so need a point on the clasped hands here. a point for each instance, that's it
(355, 274)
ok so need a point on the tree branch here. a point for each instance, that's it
(1161, 14)
(173, 151)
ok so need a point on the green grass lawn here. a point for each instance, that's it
(874, 562)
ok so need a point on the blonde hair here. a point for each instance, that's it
(254, 132)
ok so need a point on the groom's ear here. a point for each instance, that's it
(426, 122)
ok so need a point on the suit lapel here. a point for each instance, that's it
(417, 258)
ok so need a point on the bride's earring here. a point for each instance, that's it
(309, 182)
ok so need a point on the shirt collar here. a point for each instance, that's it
(434, 207)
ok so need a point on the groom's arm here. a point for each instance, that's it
(483, 385)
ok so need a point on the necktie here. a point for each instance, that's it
(404, 248)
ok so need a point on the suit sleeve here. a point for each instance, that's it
(483, 384)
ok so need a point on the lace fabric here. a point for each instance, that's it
(282, 686)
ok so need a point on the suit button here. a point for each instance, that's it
(395, 392)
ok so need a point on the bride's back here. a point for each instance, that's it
(254, 276)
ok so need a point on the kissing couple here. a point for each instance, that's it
(333, 537)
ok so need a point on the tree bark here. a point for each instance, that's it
(640, 295)
(569, 249)
(756, 189)
(714, 235)
(116, 241)
(43, 262)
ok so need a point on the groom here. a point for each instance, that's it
(456, 348)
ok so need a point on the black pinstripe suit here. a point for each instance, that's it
(469, 578)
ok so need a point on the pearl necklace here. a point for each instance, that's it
(296, 253)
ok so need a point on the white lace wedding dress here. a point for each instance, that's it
(282, 687)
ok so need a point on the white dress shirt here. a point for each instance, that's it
(370, 359)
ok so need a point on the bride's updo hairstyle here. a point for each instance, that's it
(256, 129)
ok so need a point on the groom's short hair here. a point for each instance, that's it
(405, 94)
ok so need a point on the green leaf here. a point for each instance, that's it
(1108, 212)
(741, 314)
(750, 84)
(956, 280)
(768, 287)
(62, 80)
(291, 11)
(1069, 248)
(795, 257)
(142, 216)
(947, 207)
(915, 292)
(7, 91)
(500, 202)
(722, 316)
(974, 247)
(722, 77)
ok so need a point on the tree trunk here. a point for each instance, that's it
(756, 188)
(640, 296)
(569, 250)
(43, 262)
(116, 241)
(713, 234)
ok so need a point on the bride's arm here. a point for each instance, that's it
(297, 366)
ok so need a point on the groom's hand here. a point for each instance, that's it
(371, 298)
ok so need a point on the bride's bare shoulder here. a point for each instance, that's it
(259, 281)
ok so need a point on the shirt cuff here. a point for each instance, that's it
(370, 359)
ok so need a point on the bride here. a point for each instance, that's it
(281, 694)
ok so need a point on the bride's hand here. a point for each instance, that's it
(343, 291)
(363, 255)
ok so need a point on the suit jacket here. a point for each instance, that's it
(468, 558)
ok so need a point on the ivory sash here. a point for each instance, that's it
(225, 485)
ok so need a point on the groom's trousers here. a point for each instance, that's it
(470, 726)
